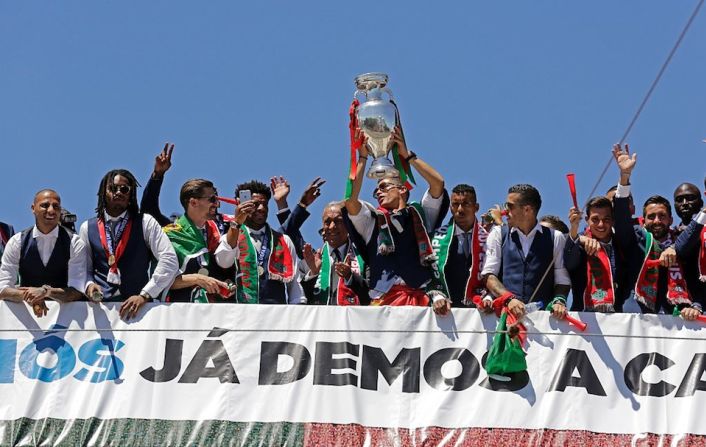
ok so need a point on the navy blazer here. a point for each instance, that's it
(687, 246)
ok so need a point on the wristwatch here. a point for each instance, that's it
(146, 296)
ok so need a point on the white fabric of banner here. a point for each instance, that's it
(627, 374)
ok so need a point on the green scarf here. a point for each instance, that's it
(323, 282)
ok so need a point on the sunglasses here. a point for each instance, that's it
(124, 189)
(211, 199)
(384, 188)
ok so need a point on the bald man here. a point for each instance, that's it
(687, 203)
(49, 260)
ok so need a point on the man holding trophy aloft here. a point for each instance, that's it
(394, 236)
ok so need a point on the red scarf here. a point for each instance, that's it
(599, 294)
(702, 255)
(648, 280)
(345, 296)
(113, 271)
(474, 286)
(403, 295)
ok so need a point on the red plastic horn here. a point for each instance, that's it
(580, 325)
(228, 200)
(571, 178)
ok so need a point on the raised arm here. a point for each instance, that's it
(150, 196)
(353, 204)
(431, 175)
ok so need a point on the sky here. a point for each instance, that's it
(490, 93)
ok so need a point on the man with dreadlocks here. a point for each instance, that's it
(394, 236)
(121, 243)
(265, 259)
(658, 279)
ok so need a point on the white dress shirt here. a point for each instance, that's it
(160, 246)
(226, 256)
(494, 252)
(45, 245)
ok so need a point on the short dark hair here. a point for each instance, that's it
(133, 206)
(463, 188)
(657, 200)
(528, 195)
(555, 222)
(255, 187)
(599, 202)
(193, 189)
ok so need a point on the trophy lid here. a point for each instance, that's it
(368, 81)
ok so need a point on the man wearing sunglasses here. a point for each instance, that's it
(50, 261)
(195, 238)
(121, 243)
(394, 236)
(525, 259)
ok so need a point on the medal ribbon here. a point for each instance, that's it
(123, 231)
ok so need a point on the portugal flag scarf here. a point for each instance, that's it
(188, 240)
(648, 280)
(599, 294)
(344, 295)
(279, 265)
(441, 245)
(702, 255)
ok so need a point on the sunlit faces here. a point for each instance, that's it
(389, 193)
(334, 230)
(600, 222)
(117, 194)
(517, 213)
(464, 208)
(657, 219)
(47, 210)
(259, 217)
(205, 206)
(687, 201)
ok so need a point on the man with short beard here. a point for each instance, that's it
(195, 238)
(460, 249)
(687, 203)
(120, 245)
(337, 271)
(659, 281)
(525, 260)
(49, 260)
(691, 250)
(595, 261)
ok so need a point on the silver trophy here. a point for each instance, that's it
(377, 118)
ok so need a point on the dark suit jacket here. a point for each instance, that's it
(687, 246)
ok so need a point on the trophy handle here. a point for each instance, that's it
(358, 92)
(389, 92)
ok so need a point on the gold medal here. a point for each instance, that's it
(260, 270)
(203, 271)
(111, 260)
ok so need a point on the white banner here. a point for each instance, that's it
(376, 367)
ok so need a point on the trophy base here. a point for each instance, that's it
(382, 167)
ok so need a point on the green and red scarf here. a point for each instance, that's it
(279, 265)
(441, 244)
(647, 283)
(599, 294)
(345, 296)
(189, 243)
(386, 243)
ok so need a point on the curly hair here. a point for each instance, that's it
(133, 206)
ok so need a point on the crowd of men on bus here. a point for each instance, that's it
(397, 252)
